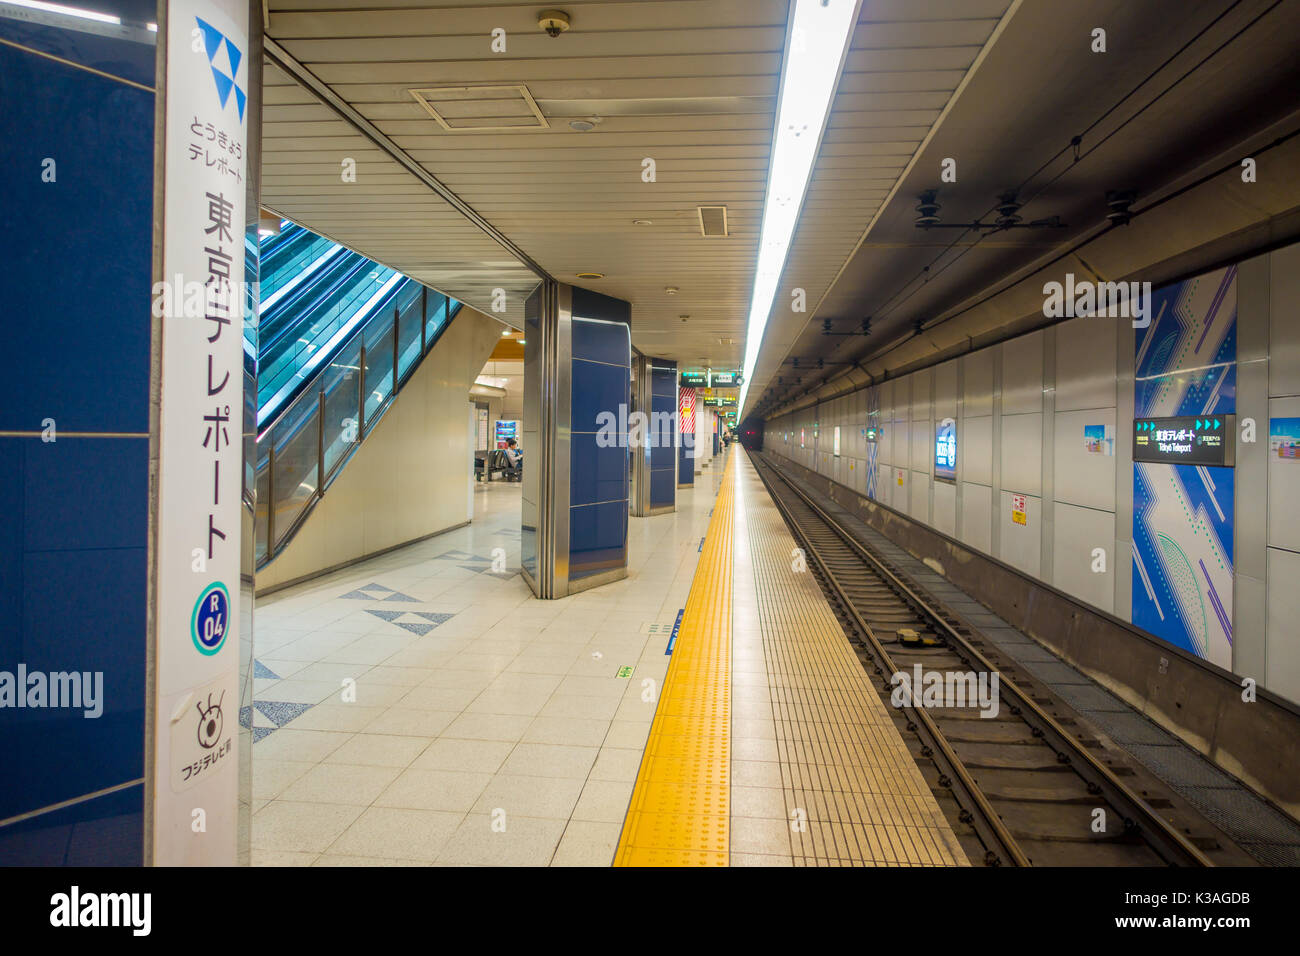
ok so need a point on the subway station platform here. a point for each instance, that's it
(769, 747)
(488, 727)
(423, 708)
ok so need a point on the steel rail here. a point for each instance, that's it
(1161, 835)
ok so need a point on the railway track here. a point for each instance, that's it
(1026, 786)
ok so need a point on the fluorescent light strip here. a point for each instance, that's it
(818, 38)
(66, 11)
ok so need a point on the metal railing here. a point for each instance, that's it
(303, 449)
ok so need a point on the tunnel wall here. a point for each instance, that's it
(1044, 479)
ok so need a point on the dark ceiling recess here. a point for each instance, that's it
(944, 270)
(1091, 143)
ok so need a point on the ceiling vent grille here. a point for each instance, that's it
(476, 109)
(713, 221)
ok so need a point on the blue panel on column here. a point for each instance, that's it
(597, 474)
(79, 160)
(663, 486)
(596, 389)
(105, 831)
(597, 538)
(601, 342)
(663, 450)
(78, 250)
(685, 467)
(600, 394)
(130, 59)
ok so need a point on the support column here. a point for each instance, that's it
(199, 562)
(654, 445)
(688, 451)
(577, 357)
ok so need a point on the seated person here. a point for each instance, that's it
(514, 456)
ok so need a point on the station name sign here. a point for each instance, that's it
(1186, 440)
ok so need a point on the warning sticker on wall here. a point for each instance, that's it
(1019, 513)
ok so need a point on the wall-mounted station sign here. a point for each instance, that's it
(711, 378)
(1186, 440)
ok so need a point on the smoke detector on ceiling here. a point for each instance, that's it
(554, 22)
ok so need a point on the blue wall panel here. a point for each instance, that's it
(663, 447)
(598, 460)
(73, 560)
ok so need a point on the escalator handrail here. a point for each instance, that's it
(310, 298)
(269, 304)
(453, 308)
(283, 399)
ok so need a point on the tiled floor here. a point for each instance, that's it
(422, 708)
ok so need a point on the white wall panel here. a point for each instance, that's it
(1282, 673)
(1022, 453)
(945, 390)
(975, 450)
(900, 482)
(921, 394)
(1081, 477)
(1085, 364)
(919, 497)
(978, 382)
(1077, 532)
(977, 516)
(1021, 544)
(945, 508)
(1022, 374)
(922, 440)
(1284, 330)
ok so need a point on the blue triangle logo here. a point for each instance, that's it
(211, 38)
(224, 85)
(235, 56)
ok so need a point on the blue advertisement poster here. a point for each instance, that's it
(1182, 514)
(945, 450)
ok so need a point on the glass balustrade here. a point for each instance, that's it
(337, 354)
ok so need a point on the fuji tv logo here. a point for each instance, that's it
(225, 67)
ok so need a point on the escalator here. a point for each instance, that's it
(338, 336)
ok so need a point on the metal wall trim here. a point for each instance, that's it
(562, 437)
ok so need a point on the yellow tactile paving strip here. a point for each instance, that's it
(812, 737)
(679, 812)
(853, 795)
